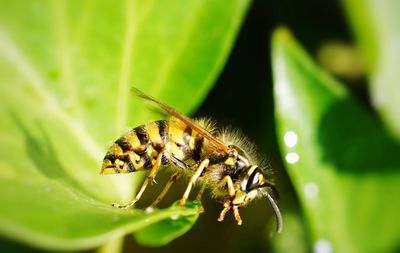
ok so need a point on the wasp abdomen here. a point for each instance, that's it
(137, 149)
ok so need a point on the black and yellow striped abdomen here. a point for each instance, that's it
(139, 147)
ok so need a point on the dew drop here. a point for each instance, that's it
(292, 157)
(323, 246)
(149, 210)
(174, 217)
(311, 190)
(290, 139)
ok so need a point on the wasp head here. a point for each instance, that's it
(249, 182)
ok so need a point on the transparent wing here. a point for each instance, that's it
(218, 144)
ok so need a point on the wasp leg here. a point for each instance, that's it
(231, 189)
(170, 182)
(149, 178)
(199, 195)
(236, 214)
(193, 179)
(227, 207)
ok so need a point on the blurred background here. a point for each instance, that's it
(243, 97)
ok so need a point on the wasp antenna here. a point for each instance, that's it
(279, 222)
(274, 192)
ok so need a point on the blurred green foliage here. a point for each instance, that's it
(343, 163)
(65, 72)
(376, 28)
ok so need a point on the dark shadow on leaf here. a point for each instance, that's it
(355, 141)
(41, 152)
(12, 246)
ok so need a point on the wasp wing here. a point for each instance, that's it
(171, 111)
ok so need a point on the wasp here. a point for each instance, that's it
(220, 160)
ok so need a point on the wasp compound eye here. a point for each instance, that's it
(253, 181)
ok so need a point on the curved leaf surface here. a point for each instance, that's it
(345, 167)
(66, 69)
(67, 219)
(168, 229)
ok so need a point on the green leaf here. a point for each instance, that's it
(376, 25)
(166, 230)
(66, 219)
(345, 167)
(66, 69)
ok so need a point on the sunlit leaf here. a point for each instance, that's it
(66, 219)
(66, 69)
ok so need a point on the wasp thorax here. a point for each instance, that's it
(237, 159)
